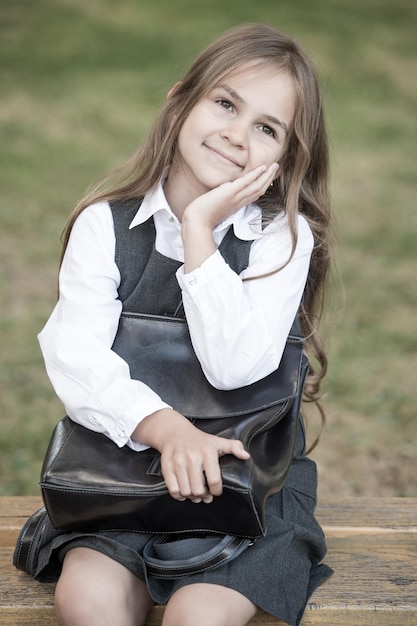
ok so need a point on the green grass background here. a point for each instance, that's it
(80, 83)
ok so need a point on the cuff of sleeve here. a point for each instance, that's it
(201, 275)
(137, 403)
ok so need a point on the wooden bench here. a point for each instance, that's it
(372, 546)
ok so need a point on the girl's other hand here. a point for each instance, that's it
(189, 457)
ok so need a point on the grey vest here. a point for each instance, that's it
(148, 282)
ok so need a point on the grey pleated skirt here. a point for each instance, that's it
(278, 573)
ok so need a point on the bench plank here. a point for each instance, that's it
(373, 513)
(14, 510)
(372, 548)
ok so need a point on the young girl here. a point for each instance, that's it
(238, 150)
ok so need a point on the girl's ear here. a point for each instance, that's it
(173, 90)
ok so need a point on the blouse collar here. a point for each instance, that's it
(247, 221)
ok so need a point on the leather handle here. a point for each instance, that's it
(168, 557)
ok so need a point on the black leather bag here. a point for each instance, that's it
(89, 483)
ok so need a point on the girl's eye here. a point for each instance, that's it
(268, 130)
(225, 104)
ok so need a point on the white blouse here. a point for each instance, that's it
(238, 328)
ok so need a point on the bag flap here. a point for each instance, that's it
(160, 354)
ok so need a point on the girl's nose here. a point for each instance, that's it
(236, 133)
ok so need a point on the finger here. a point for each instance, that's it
(233, 446)
(260, 174)
(263, 181)
(238, 450)
(173, 488)
(250, 177)
(272, 173)
(189, 474)
(213, 475)
(254, 184)
(198, 484)
(207, 499)
(176, 481)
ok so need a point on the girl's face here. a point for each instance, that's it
(243, 122)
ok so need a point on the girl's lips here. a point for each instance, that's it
(224, 157)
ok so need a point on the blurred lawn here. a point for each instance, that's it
(80, 83)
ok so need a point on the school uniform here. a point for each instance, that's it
(136, 264)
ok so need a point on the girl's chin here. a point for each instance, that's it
(216, 181)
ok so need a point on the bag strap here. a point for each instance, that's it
(168, 557)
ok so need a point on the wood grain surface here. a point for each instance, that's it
(372, 546)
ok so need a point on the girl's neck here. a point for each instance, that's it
(179, 192)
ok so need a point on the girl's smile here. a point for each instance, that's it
(224, 158)
(241, 123)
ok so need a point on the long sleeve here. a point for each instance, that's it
(91, 380)
(239, 328)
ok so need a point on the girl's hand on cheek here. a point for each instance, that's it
(216, 205)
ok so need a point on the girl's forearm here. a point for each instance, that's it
(198, 242)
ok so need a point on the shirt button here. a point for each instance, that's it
(171, 219)
(192, 281)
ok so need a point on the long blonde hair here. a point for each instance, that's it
(302, 186)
